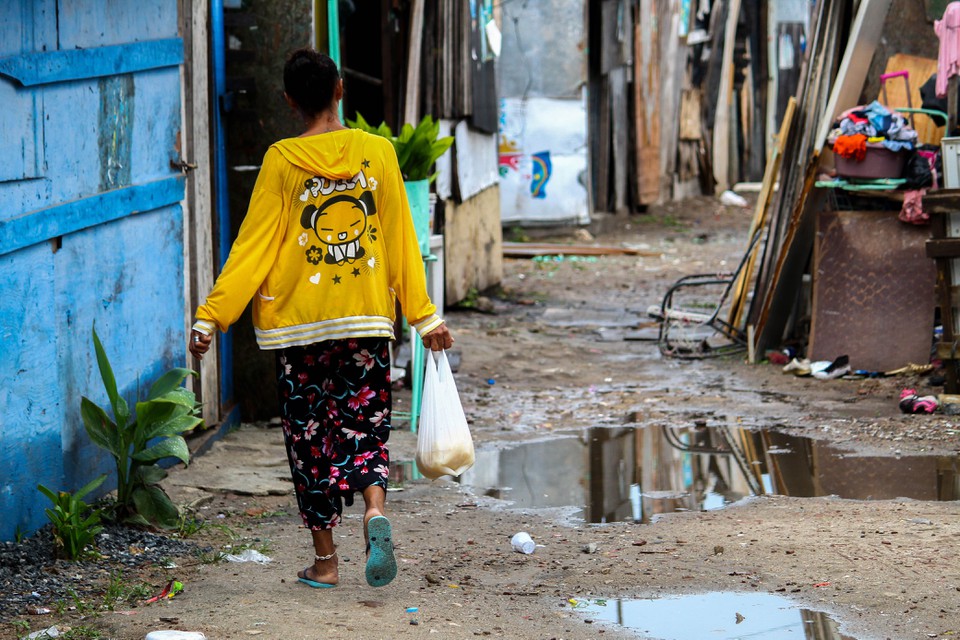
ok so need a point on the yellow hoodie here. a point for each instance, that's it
(327, 246)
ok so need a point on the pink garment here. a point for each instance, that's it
(948, 62)
(912, 211)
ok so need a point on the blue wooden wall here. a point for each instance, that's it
(91, 228)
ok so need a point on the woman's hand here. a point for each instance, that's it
(199, 344)
(438, 339)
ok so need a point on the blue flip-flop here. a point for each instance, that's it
(381, 563)
(313, 583)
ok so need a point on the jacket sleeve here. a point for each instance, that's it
(406, 271)
(253, 253)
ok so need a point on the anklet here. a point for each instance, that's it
(325, 558)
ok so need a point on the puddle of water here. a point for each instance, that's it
(715, 616)
(617, 474)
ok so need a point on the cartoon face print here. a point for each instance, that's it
(339, 224)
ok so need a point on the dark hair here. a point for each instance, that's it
(310, 78)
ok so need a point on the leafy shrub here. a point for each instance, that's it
(75, 523)
(138, 441)
(417, 147)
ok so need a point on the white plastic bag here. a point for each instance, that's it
(444, 445)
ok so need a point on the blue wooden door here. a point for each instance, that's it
(91, 227)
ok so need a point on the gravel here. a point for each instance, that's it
(32, 578)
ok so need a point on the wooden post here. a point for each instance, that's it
(411, 107)
(198, 205)
(721, 123)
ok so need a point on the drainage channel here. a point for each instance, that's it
(714, 616)
(634, 474)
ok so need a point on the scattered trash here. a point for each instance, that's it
(730, 199)
(491, 381)
(249, 555)
(173, 634)
(910, 402)
(50, 632)
(949, 404)
(836, 369)
(920, 521)
(799, 367)
(740, 618)
(413, 609)
(777, 357)
(173, 588)
(38, 611)
(589, 548)
(414, 622)
(822, 584)
(523, 543)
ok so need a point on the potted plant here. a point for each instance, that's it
(418, 148)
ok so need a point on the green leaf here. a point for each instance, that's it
(174, 426)
(102, 430)
(151, 474)
(151, 412)
(121, 412)
(172, 447)
(179, 396)
(137, 519)
(90, 486)
(154, 506)
(169, 381)
(47, 492)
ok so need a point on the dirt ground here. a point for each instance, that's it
(544, 360)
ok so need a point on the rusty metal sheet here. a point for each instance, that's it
(873, 290)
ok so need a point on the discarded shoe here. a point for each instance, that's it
(381, 563)
(837, 368)
(910, 402)
(797, 367)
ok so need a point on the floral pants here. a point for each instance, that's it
(335, 410)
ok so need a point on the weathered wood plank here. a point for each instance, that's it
(199, 267)
(70, 217)
(47, 67)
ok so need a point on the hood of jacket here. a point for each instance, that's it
(336, 154)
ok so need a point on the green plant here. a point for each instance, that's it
(82, 633)
(19, 534)
(21, 627)
(417, 147)
(75, 523)
(120, 591)
(189, 526)
(138, 441)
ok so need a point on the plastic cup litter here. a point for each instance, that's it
(523, 543)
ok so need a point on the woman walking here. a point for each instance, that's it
(325, 250)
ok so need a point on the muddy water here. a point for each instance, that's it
(722, 616)
(633, 474)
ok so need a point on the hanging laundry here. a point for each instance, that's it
(948, 61)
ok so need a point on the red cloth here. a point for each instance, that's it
(852, 147)
(948, 61)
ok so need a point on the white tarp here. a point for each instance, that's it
(543, 161)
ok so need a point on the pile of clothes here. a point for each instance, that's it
(873, 124)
